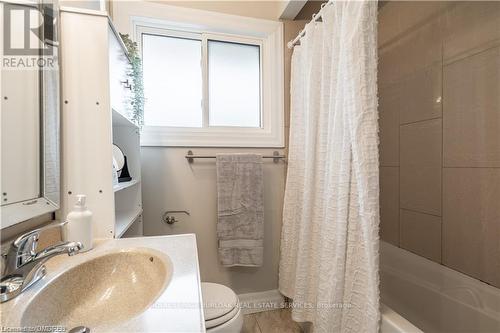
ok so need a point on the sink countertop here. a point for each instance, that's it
(177, 309)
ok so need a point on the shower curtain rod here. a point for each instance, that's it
(315, 18)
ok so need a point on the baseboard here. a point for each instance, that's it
(261, 301)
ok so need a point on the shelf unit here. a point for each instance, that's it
(122, 186)
(124, 220)
(127, 195)
(95, 115)
(119, 119)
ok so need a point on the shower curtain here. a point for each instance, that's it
(329, 245)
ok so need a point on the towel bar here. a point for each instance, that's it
(276, 156)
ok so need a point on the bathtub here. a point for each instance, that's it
(433, 297)
(390, 322)
(393, 322)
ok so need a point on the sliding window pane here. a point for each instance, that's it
(233, 84)
(172, 81)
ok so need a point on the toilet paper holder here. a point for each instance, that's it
(171, 219)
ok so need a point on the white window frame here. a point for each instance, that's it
(204, 26)
(206, 99)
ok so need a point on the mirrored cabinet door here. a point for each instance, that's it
(29, 119)
(20, 135)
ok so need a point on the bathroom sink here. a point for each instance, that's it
(101, 292)
(125, 285)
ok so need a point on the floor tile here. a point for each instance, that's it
(277, 321)
(250, 324)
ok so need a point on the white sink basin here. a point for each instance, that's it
(144, 284)
(101, 292)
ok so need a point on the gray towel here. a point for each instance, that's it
(240, 208)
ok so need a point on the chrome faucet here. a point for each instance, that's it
(24, 266)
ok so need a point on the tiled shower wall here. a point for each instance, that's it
(439, 104)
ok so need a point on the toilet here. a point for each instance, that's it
(221, 308)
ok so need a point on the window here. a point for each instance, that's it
(233, 84)
(172, 81)
(211, 86)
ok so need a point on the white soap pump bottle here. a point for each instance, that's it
(79, 227)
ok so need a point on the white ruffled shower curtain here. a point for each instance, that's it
(329, 245)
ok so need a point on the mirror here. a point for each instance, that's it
(29, 119)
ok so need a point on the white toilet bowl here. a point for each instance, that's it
(221, 308)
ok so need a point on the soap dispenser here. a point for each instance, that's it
(79, 226)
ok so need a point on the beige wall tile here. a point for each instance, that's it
(397, 17)
(472, 111)
(420, 159)
(413, 51)
(389, 64)
(421, 95)
(420, 48)
(471, 222)
(420, 189)
(414, 14)
(389, 125)
(388, 22)
(470, 27)
(389, 204)
(448, 49)
(421, 234)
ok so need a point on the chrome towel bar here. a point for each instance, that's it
(276, 156)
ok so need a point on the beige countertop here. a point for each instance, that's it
(178, 308)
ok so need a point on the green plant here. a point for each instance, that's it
(135, 74)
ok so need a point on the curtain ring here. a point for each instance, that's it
(314, 20)
(323, 4)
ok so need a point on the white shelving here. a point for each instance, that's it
(122, 186)
(121, 120)
(97, 101)
(124, 220)
(128, 200)
(128, 206)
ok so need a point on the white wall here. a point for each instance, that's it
(268, 9)
(170, 183)
(84, 4)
